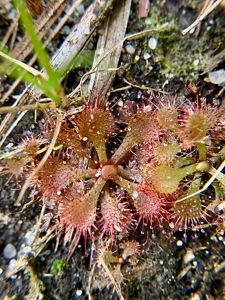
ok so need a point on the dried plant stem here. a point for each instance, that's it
(118, 290)
(202, 16)
(121, 89)
(142, 87)
(74, 43)
(64, 19)
(19, 63)
(37, 231)
(220, 177)
(37, 105)
(207, 184)
(11, 30)
(42, 26)
(90, 277)
(114, 29)
(85, 77)
(44, 159)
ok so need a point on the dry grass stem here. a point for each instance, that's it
(114, 30)
(117, 287)
(207, 184)
(38, 225)
(19, 63)
(38, 106)
(142, 87)
(12, 30)
(212, 5)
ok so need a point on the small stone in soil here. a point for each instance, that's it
(152, 43)
(9, 251)
(130, 49)
(78, 293)
(217, 77)
(146, 55)
(179, 243)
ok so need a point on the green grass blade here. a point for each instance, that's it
(52, 85)
(36, 42)
(16, 71)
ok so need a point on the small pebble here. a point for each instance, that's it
(136, 58)
(12, 266)
(148, 108)
(29, 237)
(217, 77)
(179, 243)
(146, 55)
(196, 62)
(195, 297)
(66, 30)
(135, 195)
(130, 49)
(148, 21)
(152, 43)
(195, 263)
(78, 293)
(120, 103)
(9, 251)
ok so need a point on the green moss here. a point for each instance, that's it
(182, 57)
(57, 267)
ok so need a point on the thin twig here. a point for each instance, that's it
(201, 17)
(206, 185)
(90, 277)
(84, 78)
(127, 87)
(145, 87)
(206, 4)
(118, 290)
(42, 25)
(22, 65)
(46, 42)
(64, 20)
(44, 158)
(9, 32)
(36, 234)
(37, 105)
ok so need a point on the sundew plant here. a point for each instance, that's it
(106, 178)
(150, 179)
